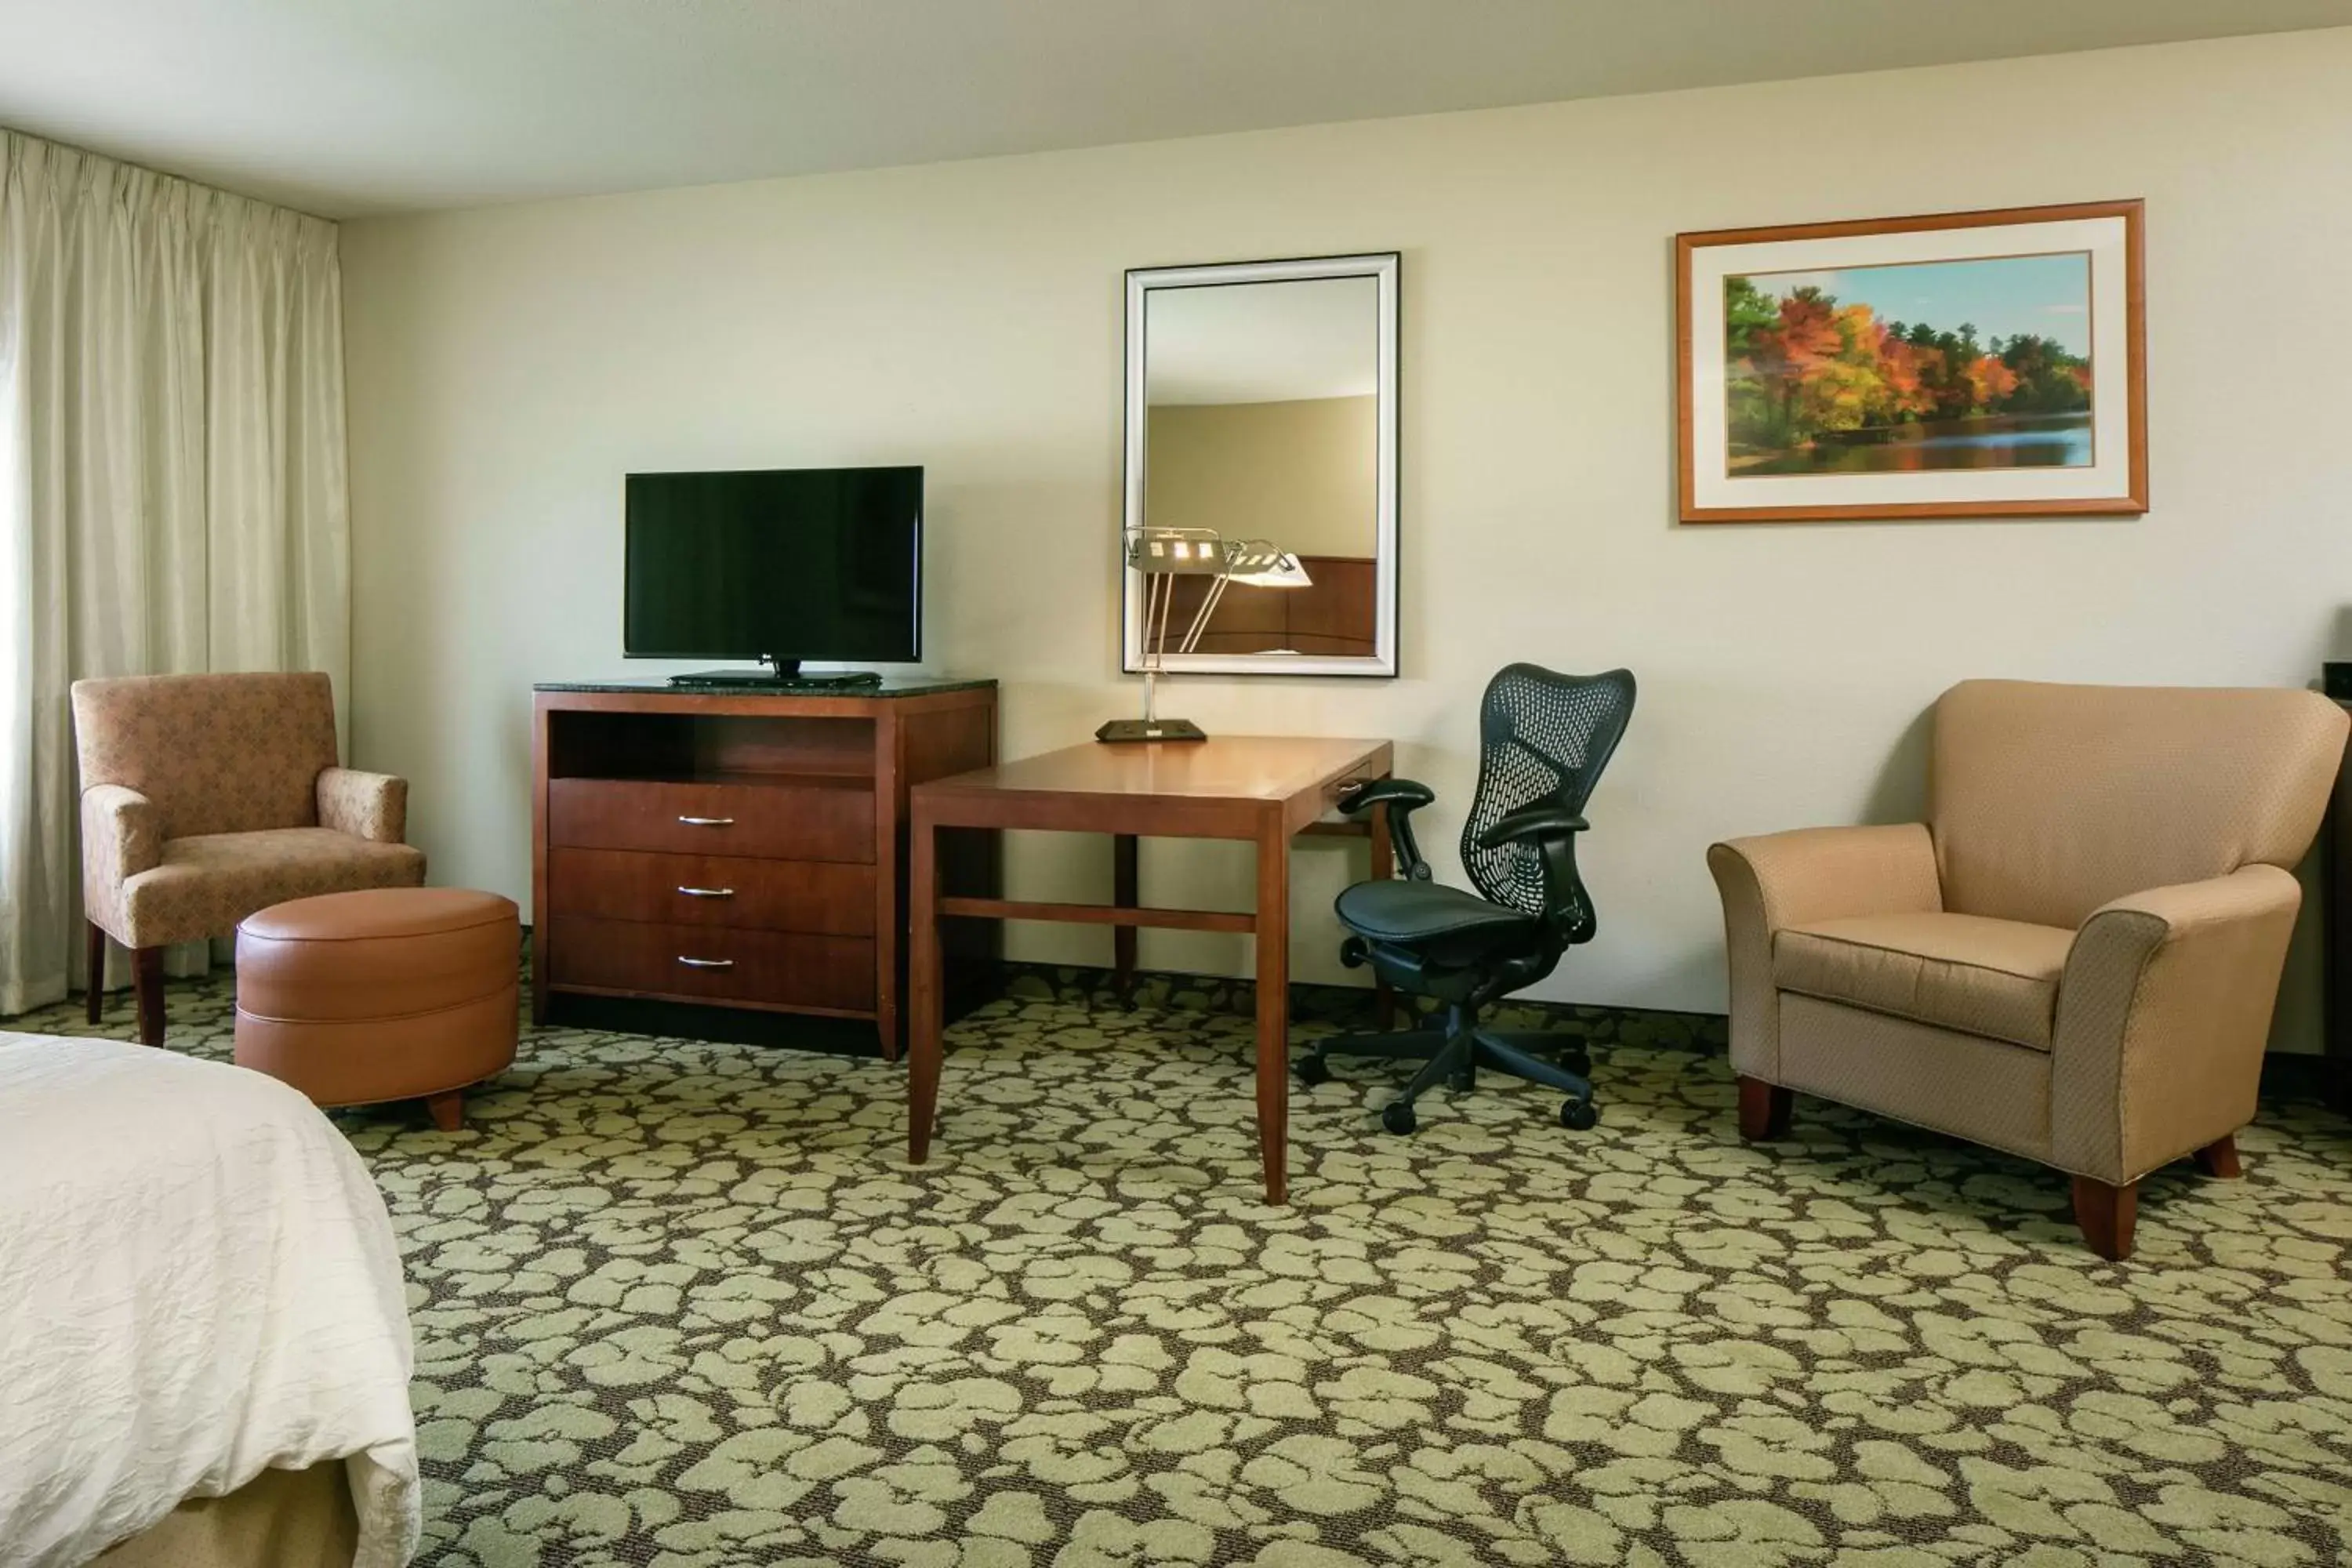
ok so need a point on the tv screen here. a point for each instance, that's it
(785, 563)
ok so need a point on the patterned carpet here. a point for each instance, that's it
(684, 1305)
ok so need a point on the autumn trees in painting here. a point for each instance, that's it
(1815, 382)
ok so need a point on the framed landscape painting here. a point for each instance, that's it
(1960, 364)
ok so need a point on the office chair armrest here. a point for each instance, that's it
(1538, 822)
(1402, 798)
(1407, 794)
(1551, 831)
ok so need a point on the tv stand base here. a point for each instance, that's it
(777, 680)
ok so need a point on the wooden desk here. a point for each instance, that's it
(1265, 790)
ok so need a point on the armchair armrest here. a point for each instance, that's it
(374, 806)
(121, 836)
(121, 833)
(1402, 798)
(2163, 1011)
(1791, 879)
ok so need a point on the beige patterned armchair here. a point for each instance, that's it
(206, 797)
(2074, 959)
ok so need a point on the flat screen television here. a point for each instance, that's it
(778, 565)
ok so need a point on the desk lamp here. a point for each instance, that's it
(1164, 554)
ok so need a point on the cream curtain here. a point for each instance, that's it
(172, 479)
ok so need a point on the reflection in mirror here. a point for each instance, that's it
(1267, 424)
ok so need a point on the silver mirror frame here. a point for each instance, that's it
(1382, 265)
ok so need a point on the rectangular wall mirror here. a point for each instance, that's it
(1262, 436)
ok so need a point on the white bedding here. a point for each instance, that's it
(197, 1282)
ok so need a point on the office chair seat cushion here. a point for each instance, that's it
(1404, 912)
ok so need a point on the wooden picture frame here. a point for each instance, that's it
(1796, 404)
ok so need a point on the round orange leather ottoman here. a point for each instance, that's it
(392, 994)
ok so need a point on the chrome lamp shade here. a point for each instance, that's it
(1161, 555)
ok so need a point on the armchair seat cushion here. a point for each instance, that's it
(1987, 977)
(208, 882)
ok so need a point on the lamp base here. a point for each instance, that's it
(1152, 729)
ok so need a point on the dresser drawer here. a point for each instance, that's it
(778, 821)
(826, 897)
(729, 965)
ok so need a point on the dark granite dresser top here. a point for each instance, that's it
(891, 686)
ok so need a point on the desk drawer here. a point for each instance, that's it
(827, 896)
(732, 965)
(778, 821)
(1340, 789)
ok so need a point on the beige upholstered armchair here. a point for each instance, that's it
(206, 797)
(2074, 959)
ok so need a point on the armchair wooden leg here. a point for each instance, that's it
(2219, 1158)
(94, 950)
(448, 1111)
(1764, 1109)
(147, 980)
(2106, 1216)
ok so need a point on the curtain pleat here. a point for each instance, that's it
(172, 481)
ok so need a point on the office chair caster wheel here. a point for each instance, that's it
(1399, 1118)
(1578, 1115)
(1312, 1070)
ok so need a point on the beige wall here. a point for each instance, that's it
(507, 366)
(1303, 474)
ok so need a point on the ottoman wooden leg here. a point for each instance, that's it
(448, 1111)
(96, 950)
(147, 980)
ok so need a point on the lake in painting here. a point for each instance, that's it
(1981, 364)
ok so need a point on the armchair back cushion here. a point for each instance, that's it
(2047, 801)
(216, 753)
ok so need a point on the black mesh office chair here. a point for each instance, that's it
(1543, 740)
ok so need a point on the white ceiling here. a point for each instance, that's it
(352, 106)
(1262, 342)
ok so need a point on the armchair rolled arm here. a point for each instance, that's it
(374, 806)
(1402, 798)
(121, 834)
(1791, 879)
(2164, 1009)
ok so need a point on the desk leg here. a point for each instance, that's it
(1383, 868)
(923, 981)
(1126, 892)
(1274, 1006)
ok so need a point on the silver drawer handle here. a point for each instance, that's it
(706, 962)
(708, 821)
(708, 892)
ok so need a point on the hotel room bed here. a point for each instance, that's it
(203, 1335)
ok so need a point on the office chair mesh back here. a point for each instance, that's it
(1543, 739)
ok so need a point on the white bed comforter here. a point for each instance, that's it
(197, 1282)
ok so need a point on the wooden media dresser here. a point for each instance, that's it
(741, 849)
